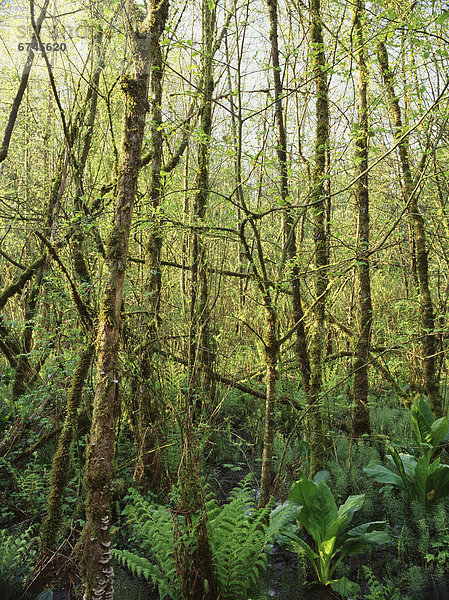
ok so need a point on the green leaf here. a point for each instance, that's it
(365, 528)
(345, 587)
(362, 543)
(383, 475)
(439, 429)
(443, 17)
(406, 481)
(408, 463)
(420, 480)
(350, 507)
(296, 541)
(319, 513)
(421, 421)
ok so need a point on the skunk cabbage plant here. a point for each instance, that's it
(423, 480)
(311, 505)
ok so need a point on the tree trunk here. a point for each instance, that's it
(318, 199)
(271, 357)
(62, 461)
(429, 340)
(300, 346)
(150, 462)
(361, 420)
(94, 546)
(200, 351)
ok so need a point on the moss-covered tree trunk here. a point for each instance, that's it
(318, 210)
(200, 346)
(94, 547)
(427, 317)
(62, 460)
(271, 358)
(361, 419)
(150, 462)
(300, 347)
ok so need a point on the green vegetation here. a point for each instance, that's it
(238, 535)
(422, 479)
(313, 506)
(224, 293)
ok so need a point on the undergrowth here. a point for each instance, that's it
(17, 555)
(238, 534)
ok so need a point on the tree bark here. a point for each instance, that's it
(150, 462)
(62, 460)
(94, 546)
(318, 199)
(361, 419)
(300, 346)
(427, 317)
(200, 347)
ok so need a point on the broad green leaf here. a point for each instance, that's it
(365, 528)
(421, 421)
(420, 479)
(324, 515)
(439, 429)
(319, 513)
(284, 513)
(408, 463)
(383, 475)
(326, 548)
(295, 541)
(363, 543)
(302, 491)
(350, 507)
(345, 587)
(406, 481)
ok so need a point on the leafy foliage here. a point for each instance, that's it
(16, 558)
(313, 506)
(238, 534)
(379, 590)
(152, 527)
(423, 480)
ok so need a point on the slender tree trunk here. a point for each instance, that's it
(200, 351)
(149, 434)
(62, 460)
(195, 563)
(271, 358)
(94, 546)
(318, 198)
(427, 317)
(4, 148)
(300, 346)
(361, 420)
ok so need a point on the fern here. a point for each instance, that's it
(378, 590)
(16, 559)
(238, 535)
(152, 527)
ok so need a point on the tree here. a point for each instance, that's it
(94, 547)
(360, 420)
